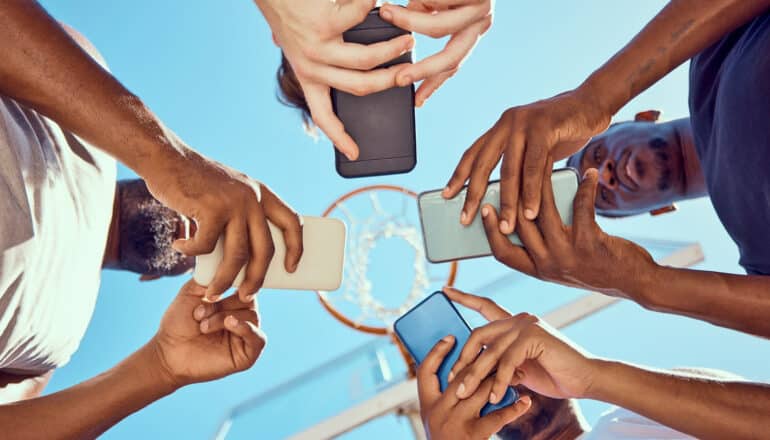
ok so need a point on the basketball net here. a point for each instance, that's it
(376, 214)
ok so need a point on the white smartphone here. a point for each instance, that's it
(448, 240)
(320, 267)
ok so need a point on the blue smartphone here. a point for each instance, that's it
(427, 323)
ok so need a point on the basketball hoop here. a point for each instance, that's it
(392, 215)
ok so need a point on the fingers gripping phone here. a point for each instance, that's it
(382, 124)
(320, 267)
(447, 240)
(428, 322)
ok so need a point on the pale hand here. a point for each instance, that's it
(310, 34)
(464, 21)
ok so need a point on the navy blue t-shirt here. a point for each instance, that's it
(730, 116)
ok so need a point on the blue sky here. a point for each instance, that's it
(207, 69)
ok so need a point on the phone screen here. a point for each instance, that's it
(426, 324)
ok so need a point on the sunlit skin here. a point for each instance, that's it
(643, 165)
(524, 351)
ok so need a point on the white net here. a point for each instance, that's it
(385, 258)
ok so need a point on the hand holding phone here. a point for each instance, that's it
(320, 267)
(429, 322)
(382, 123)
(446, 239)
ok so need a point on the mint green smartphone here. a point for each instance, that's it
(448, 240)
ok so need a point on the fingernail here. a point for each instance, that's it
(461, 391)
(529, 213)
(525, 400)
(212, 298)
(451, 376)
(448, 338)
(484, 212)
(230, 321)
(199, 311)
(249, 298)
(405, 80)
(386, 13)
(204, 325)
(463, 217)
(504, 226)
(445, 192)
(493, 398)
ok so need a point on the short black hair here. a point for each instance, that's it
(147, 229)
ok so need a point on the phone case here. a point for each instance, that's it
(383, 123)
(425, 324)
(448, 240)
(320, 267)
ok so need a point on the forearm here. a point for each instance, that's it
(47, 70)
(703, 408)
(740, 302)
(90, 408)
(681, 30)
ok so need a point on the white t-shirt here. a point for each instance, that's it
(621, 424)
(56, 198)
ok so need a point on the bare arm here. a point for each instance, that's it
(681, 30)
(526, 136)
(182, 352)
(44, 67)
(740, 302)
(90, 408)
(523, 350)
(704, 408)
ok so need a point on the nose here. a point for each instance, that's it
(607, 174)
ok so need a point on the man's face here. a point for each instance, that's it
(640, 167)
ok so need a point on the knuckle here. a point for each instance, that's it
(358, 90)
(368, 62)
(205, 247)
(301, 70)
(309, 51)
(269, 250)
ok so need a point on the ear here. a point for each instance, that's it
(663, 210)
(146, 277)
(647, 116)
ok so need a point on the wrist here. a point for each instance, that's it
(597, 93)
(644, 287)
(152, 362)
(602, 376)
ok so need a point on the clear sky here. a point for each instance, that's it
(207, 68)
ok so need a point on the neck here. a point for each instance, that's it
(112, 249)
(695, 183)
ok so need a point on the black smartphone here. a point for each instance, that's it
(382, 124)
